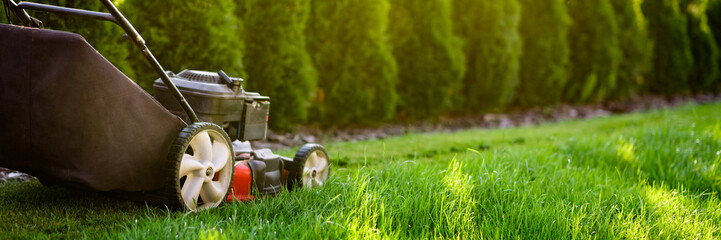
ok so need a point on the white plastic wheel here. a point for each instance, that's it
(310, 167)
(315, 171)
(206, 168)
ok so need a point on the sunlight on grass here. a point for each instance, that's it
(716, 132)
(679, 216)
(630, 225)
(211, 235)
(625, 151)
(364, 212)
(459, 204)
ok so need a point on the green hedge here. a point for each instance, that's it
(365, 62)
(276, 60)
(672, 58)
(544, 28)
(492, 46)
(428, 54)
(3, 18)
(595, 54)
(705, 51)
(635, 46)
(713, 11)
(357, 74)
(186, 34)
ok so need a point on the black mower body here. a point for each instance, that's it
(219, 99)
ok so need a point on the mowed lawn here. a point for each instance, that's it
(651, 175)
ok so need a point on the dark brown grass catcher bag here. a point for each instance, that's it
(68, 116)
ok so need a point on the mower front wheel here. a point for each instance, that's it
(310, 167)
(201, 162)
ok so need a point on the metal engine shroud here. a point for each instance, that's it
(219, 99)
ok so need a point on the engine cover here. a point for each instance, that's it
(218, 99)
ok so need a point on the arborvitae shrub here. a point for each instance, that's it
(241, 9)
(276, 60)
(635, 48)
(713, 11)
(704, 49)
(104, 36)
(544, 29)
(492, 46)
(595, 54)
(428, 54)
(186, 34)
(3, 18)
(357, 74)
(672, 60)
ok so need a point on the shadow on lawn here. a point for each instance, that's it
(31, 210)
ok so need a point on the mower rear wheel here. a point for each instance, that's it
(201, 159)
(310, 167)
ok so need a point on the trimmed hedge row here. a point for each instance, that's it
(672, 59)
(635, 47)
(595, 53)
(705, 52)
(186, 34)
(428, 54)
(357, 74)
(3, 18)
(546, 53)
(492, 48)
(366, 62)
(276, 60)
(713, 12)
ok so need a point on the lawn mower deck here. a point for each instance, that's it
(260, 173)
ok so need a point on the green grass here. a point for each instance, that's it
(653, 175)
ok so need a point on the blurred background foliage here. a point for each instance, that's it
(353, 62)
(491, 47)
(704, 50)
(276, 59)
(595, 53)
(357, 74)
(422, 40)
(635, 47)
(546, 52)
(672, 60)
(185, 34)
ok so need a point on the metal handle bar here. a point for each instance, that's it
(65, 10)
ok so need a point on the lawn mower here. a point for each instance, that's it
(69, 117)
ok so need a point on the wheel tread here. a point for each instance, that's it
(175, 155)
(295, 167)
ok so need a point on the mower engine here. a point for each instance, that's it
(221, 99)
